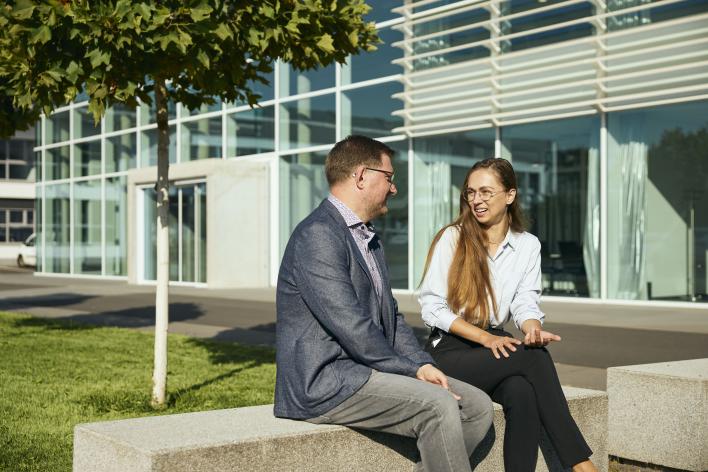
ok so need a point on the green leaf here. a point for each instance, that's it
(223, 32)
(326, 43)
(23, 10)
(203, 58)
(41, 35)
(200, 13)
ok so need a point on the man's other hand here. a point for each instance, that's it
(429, 373)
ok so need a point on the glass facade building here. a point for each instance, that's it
(601, 107)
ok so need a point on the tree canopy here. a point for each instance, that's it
(115, 50)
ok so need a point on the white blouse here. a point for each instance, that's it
(516, 278)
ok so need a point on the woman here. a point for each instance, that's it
(481, 270)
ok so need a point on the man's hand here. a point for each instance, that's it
(535, 336)
(428, 373)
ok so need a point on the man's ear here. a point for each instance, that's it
(510, 196)
(358, 175)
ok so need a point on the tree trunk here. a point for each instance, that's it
(159, 377)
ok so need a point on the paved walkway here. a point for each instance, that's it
(595, 335)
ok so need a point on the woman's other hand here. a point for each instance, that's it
(500, 344)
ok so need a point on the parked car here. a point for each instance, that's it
(28, 253)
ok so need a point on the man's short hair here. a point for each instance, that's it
(351, 152)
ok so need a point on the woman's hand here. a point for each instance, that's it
(536, 337)
(499, 344)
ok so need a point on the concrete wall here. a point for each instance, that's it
(238, 219)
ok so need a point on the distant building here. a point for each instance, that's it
(17, 175)
(601, 106)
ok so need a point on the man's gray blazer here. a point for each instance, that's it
(332, 328)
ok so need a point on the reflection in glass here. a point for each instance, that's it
(250, 131)
(119, 117)
(307, 122)
(116, 208)
(148, 154)
(392, 228)
(293, 82)
(367, 66)
(187, 233)
(57, 127)
(39, 230)
(201, 139)
(381, 10)
(121, 152)
(439, 168)
(57, 228)
(87, 158)
(303, 186)
(368, 110)
(84, 124)
(557, 168)
(87, 227)
(57, 163)
(658, 203)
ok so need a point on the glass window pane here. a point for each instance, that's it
(116, 208)
(188, 230)
(368, 110)
(57, 126)
(84, 124)
(381, 10)
(2, 215)
(201, 226)
(307, 122)
(201, 139)
(303, 186)
(120, 117)
(3, 170)
(372, 65)
(30, 217)
(250, 131)
(38, 165)
(57, 228)
(20, 171)
(148, 154)
(58, 163)
(174, 230)
(557, 169)
(87, 227)
(293, 82)
(121, 152)
(658, 203)
(38, 231)
(149, 235)
(3, 234)
(20, 149)
(392, 228)
(87, 158)
(440, 165)
(18, 235)
(16, 216)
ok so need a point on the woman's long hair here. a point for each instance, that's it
(469, 285)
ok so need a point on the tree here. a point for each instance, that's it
(188, 51)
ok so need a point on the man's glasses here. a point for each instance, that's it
(484, 195)
(389, 175)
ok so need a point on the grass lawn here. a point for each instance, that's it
(54, 375)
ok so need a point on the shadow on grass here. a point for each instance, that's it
(138, 317)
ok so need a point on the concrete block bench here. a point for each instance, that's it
(248, 439)
(658, 413)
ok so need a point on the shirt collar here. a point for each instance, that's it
(511, 239)
(350, 218)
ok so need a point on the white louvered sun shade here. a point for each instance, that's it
(477, 64)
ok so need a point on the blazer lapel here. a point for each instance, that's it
(387, 313)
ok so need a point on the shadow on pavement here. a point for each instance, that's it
(54, 301)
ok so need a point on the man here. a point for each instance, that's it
(344, 353)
